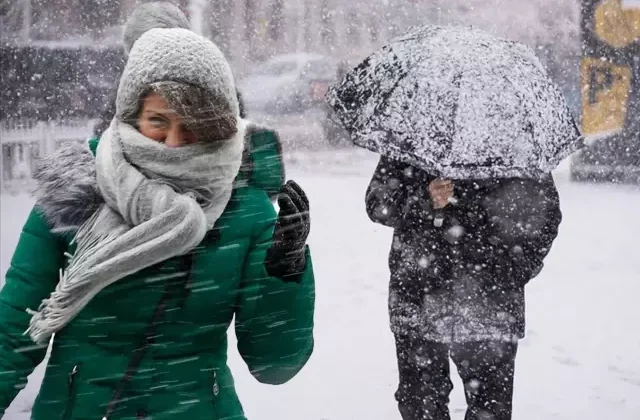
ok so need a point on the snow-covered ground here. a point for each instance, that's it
(581, 357)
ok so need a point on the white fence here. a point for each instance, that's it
(23, 141)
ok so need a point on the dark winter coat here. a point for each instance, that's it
(463, 281)
(184, 373)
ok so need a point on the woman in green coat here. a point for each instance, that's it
(136, 260)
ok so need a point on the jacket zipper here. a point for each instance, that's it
(215, 391)
(216, 387)
(71, 397)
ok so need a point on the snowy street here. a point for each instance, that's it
(578, 361)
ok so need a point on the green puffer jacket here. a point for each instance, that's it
(184, 374)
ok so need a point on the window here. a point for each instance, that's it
(353, 30)
(374, 30)
(327, 30)
(249, 20)
(277, 68)
(276, 24)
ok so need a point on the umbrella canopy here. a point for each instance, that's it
(459, 104)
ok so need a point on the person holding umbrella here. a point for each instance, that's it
(469, 128)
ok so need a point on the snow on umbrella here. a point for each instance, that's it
(459, 104)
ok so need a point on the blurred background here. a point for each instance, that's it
(61, 60)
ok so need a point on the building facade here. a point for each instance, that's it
(248, 31)
(251, 31)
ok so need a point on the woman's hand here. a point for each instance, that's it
(441, 192)
(286, 257)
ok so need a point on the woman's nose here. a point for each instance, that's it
(178, 136)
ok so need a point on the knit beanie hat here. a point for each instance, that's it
(191, 74)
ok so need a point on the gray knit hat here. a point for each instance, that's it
(190, 72)
(157, 14)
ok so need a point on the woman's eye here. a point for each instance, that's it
(157, 122)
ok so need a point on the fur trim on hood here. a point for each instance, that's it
(67, 191)
(157, 14)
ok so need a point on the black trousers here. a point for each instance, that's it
(486, 369)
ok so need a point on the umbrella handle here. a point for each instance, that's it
(438, 220)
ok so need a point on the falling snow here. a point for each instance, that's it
(578, 360)
(61, 62)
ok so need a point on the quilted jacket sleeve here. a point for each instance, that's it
(396, 189)
(274, 319)
(32, 277)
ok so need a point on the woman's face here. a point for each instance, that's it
(161, 123)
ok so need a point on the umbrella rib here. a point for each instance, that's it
(456, 104)
(527, 116)
(456, 82)
(386, 96)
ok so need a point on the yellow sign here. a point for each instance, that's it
(605, 95)
(616, 25)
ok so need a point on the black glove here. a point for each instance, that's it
(286, 257)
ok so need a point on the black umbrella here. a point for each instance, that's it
(459, 104)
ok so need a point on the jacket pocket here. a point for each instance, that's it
(72, 384)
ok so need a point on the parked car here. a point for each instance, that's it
(289, 83)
